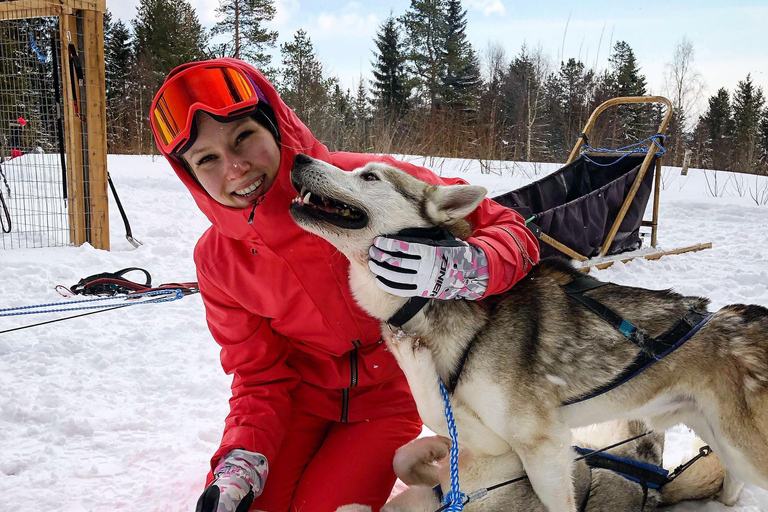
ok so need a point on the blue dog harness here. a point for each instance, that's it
(652, 349)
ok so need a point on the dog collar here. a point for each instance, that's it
(408, 311)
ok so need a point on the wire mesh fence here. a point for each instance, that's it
(33, 212)
(53, 175)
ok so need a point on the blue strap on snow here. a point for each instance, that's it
(645, 474)
(455, 499)
(631, 149)
(155, 297)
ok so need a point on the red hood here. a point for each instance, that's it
(270, 220)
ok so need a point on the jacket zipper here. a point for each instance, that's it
(527, 261)
(352, 383)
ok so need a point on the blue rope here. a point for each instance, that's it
(455, 498)
(59, 307)
(40, 56)
(632, 149)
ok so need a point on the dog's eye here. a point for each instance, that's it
(369, 176)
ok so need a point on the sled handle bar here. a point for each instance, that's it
(620, 101)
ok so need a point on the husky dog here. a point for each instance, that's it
(423, 463)
(534, 348)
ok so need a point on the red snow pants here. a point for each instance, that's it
(324, 464)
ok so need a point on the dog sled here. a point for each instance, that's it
(591, 210)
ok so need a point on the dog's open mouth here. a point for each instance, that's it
(328, 209)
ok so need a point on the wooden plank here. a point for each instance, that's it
(73, 138)
(96, 127)
(561, 247)
(693, 248)
(627, 202)
(18, 9)
(656, 192)
(652, 256)
(20, 13)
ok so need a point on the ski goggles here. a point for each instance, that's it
(223, 91)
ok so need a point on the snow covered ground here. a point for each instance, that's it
(122, 410)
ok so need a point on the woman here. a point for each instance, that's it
(317, 402)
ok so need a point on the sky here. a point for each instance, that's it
(730, 38)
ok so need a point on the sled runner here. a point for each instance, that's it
(591, 210)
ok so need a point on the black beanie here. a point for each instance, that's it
(265, 116)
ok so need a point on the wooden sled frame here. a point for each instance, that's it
(604, 261)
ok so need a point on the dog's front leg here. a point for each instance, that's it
(547, 459)
(420, 372)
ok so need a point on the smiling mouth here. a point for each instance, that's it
(327, 209)
(250, 189)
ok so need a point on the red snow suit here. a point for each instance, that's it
(278, 302)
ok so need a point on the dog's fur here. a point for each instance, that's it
(534, 348)
(423, 464)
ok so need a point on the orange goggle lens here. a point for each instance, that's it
(214, 89)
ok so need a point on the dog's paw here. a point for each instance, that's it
(729, 494)
(402, 345)
(727, 500)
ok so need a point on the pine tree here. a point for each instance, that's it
(302, 84)
(718, 128)
(460, 81)
(243, 22)
(764, 142)
(577, 84)
(629, 81)
(718, 119)
(748, 104)
(167, 33)
(362, 105)
(390, 85)
(342, 118)
(117, 54)
(553, 110)
(425, 30)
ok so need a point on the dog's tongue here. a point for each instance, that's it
(328, 209)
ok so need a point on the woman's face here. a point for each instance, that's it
(235, 162)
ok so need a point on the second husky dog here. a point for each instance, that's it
(534, 348)
(423, 464)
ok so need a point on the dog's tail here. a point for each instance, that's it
(416, 462)
(702, 480)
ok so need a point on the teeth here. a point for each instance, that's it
(306, 197)
(303, 191)
(249, 190)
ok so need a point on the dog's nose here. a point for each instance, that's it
(302, 159)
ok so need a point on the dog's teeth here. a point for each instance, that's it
(303, 191)
(306, 197)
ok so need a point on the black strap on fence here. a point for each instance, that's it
(59, 113)
(76, 77)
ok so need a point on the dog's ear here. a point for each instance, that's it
(446, 204)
